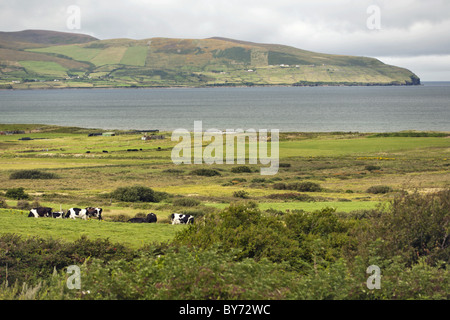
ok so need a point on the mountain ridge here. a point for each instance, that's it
(57, 59)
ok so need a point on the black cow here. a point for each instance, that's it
(150, 218)
(40, 212)
(181, 218)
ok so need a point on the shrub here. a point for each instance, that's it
(305, 186)
(32, 259)
(412, 226)
(238, 180)
(32, 174)
(161, 195)
(242, 226)
(298, 186)
(16, 193)
(186, 202)
(241, 169)
(3, 203)
(372, 167)
(241, 194)
(23, 205)
(135, 194)
(379, 189)
(206, 172)
(284, 165)
(186, 275)
(279, 186)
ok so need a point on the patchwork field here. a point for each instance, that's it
(45, 67)
(83, 61)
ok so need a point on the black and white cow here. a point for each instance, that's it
(74, 213)
(150, 218)
(57, 215)
(178, 218)
(40, 212)
(94, 213)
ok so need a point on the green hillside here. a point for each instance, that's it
(35, 61)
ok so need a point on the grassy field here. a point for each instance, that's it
(133, 235)
(135, 56)
(45, 67)
(75, 52)
(88, 169)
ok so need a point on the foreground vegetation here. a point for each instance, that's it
(241, 253)
(339, 203)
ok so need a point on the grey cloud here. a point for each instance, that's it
(409, 28)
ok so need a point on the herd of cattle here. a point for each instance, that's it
(92, 213)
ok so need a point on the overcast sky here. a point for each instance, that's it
(414, 34)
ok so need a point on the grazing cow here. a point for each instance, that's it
(94, 213)
(74, 213)
(58, 215)
(181, 218)
(40, 212)
(151, 218)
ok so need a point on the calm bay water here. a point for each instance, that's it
(363, 109)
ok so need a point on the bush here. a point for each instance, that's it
(33, 259)
(321, 234)
(298, 186)
(3, 203)
(284, 165)
(280, 186)
(372, 167)
(241, 194)
(379, 189)
(237, 180)
(135, 194)
(412, 226)
(183, 274)
(32, 174)
(16, 193)
(306, 187)
(298, 238)
(242, 226)
(241, 169)
(23, 205)
(206, 172)
(186, 202)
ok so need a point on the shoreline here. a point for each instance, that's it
(226, 86)
(409, 133)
